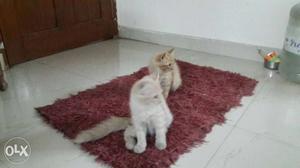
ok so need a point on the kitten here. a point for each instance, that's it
(165, 64)
(115, 123)
(150, 114)
(167, 68)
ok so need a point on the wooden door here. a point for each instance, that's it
(36, 28)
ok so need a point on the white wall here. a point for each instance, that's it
(256, 22)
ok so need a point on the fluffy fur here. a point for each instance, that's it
(102, 129)
(165, 64)
(150, 114)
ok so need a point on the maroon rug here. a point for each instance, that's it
(206, 95)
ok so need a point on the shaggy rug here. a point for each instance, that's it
(205, 96)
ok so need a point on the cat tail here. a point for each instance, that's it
(177, 81)
(102, 129)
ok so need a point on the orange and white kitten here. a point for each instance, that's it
(165, 64)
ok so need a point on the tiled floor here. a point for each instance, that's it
(263, 133)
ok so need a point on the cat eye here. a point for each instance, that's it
(170, 64)
(155, 97)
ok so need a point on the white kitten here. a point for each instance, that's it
(150, 114)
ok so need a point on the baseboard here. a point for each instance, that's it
(218, 47)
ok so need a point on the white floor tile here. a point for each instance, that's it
(47, 148)
(248, 150)
(98, 62)
(276, 112)
(234, 115)
(198, 157)
(83, 160)
(19, 115)
(2, 165)
(34, 79)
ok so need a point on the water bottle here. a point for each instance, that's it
(290, 57)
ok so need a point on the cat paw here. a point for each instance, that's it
(161, 145)
(139, 149)
(129, 146)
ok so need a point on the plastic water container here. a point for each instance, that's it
(290, 57)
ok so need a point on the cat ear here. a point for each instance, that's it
(171, 51)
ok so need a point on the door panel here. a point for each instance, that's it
(95, 9)
(81, 10)
(35, 15)
(43, 27)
